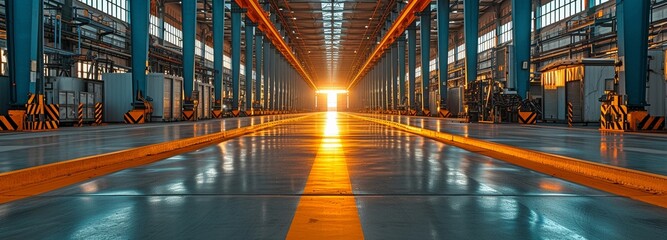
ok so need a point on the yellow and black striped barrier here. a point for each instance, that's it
(98, 114)
(188, 115)
(134, 117)
(643, 121)
(570, 112)
(216, 113)
(527, 117)
(613, 117)
(79, 115)
(444, 113)
(13, 122)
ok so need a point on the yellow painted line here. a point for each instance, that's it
(27, 182)
(320, 213)
(646, 187)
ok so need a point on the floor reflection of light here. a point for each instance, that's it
(115, 222)
(89, 187)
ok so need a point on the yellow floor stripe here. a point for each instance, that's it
(330, 216)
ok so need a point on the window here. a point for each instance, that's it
(155, 26)
(486, 41)
(115, 8)
(173, 35)
(506, 32)
(557, 10)
(450, 56)
(461, 54)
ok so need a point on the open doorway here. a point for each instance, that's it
(332, 102)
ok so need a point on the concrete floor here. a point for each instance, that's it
(330, 177)
(23, 150)
(643, 152)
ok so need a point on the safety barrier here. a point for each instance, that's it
(527, 117)
(444, 113)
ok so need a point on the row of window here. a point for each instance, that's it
(115, 8)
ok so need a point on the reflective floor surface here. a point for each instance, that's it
(23, 150)
(330, 176)
(643, 152)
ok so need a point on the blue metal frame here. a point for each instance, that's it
(249, 33)
(394, 75)
(236, 54)
(443, 49)
(471, 35)
(425, 37)
(521, 38)
(267, 63)
(139, 12)
(218, 46)
(633, 21)
(259, 43)
(412, 62)
(401, 67)
(189, 15)
(22, 47)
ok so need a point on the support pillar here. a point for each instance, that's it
(412, 62)
(521, 38)
(189, 15)
(218, 49)
(401, 71)
(443, 49)
(249, 33)
(236, 55)
(425, 31)
(633, 21)
(139, 12)
(259, 43)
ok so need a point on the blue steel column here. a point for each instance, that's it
(385, 82)
(259, 42)
(521, 37)
(633, 22)
(267, 62)
(443, 48)
(22, 47)
(218, 48)
(394, 75)
(236, 54)
(249, 32)
(189, 15)
(274, 78)
(401, 69)
(412, 62)
(425, 35)
(470, 24)
(139, 12)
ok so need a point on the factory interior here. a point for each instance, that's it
(333, 119)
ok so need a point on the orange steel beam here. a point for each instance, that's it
(406, 18)
(257, 15)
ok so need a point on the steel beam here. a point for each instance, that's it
(401, 69)
(425, 37)
(521, 11)
(443, 49)
(412, 62)
(189, 16)
(259, 43)
(261, 18)
(471, 34)
(236, 55)
(633, 22)
(218, 46)
(405, 18)
(139, 12)
(23, 37)
(249, 32)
